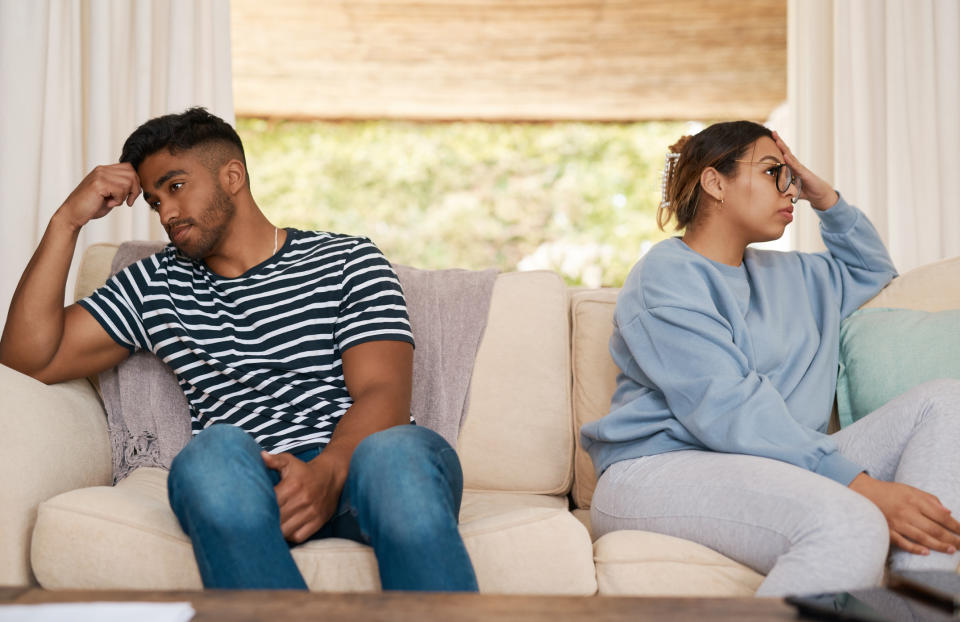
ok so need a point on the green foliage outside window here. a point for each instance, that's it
(578, 198)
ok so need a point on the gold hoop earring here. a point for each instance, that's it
(721, 202)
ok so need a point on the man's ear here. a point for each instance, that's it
(233, 176)
(712, 183)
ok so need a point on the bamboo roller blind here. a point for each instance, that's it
(509, 59)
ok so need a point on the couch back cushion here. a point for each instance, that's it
(518, 433)
(906, 335)
(94, 268)
(594, 376)
(933, 287)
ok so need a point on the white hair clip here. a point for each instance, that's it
(669, 165)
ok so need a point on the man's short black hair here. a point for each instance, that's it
(191, 128)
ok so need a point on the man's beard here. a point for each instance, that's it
(211, 226)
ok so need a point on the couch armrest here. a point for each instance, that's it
(54, 439)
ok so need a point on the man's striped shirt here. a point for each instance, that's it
(260, 351)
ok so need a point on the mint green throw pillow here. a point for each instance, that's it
(886, 352)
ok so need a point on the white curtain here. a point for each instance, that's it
(76, 77)
(874, 92)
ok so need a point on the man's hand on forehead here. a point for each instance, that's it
(132, 197)
(103, 189)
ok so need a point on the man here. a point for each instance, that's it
(293, 349)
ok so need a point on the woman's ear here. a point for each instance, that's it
(233, 176)
(712, 183)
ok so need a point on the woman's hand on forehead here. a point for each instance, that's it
(821, 195)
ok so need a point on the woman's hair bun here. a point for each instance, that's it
(677, 147)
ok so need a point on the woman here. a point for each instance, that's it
(728, 359)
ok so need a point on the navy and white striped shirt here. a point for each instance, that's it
(260, 351)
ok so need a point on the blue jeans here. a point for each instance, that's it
(402, 497)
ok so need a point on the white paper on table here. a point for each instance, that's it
(97, 612)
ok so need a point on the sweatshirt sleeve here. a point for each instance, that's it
(858, 263)
(708, 386)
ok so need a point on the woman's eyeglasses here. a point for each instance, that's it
(780, 171)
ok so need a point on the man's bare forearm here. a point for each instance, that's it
(363, 418)
(34, 325)
(379, 376)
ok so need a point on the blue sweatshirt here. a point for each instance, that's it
(738, 359)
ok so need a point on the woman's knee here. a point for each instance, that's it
(853, 527)
(936, 401)
(949, 386)
(941, 395)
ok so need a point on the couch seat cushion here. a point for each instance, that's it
(642, 563)
(126, 537)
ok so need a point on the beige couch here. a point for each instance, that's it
(541, 372)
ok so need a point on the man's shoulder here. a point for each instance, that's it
(342, 249)
(316, 236)
(147, 261)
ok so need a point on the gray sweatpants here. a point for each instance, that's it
(805, 532)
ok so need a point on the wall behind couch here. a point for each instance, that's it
(874, 91)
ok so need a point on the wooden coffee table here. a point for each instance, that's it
(255, 606)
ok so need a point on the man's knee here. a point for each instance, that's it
(213, 472)
(404, 448)
(406, 467)
(212, 445)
